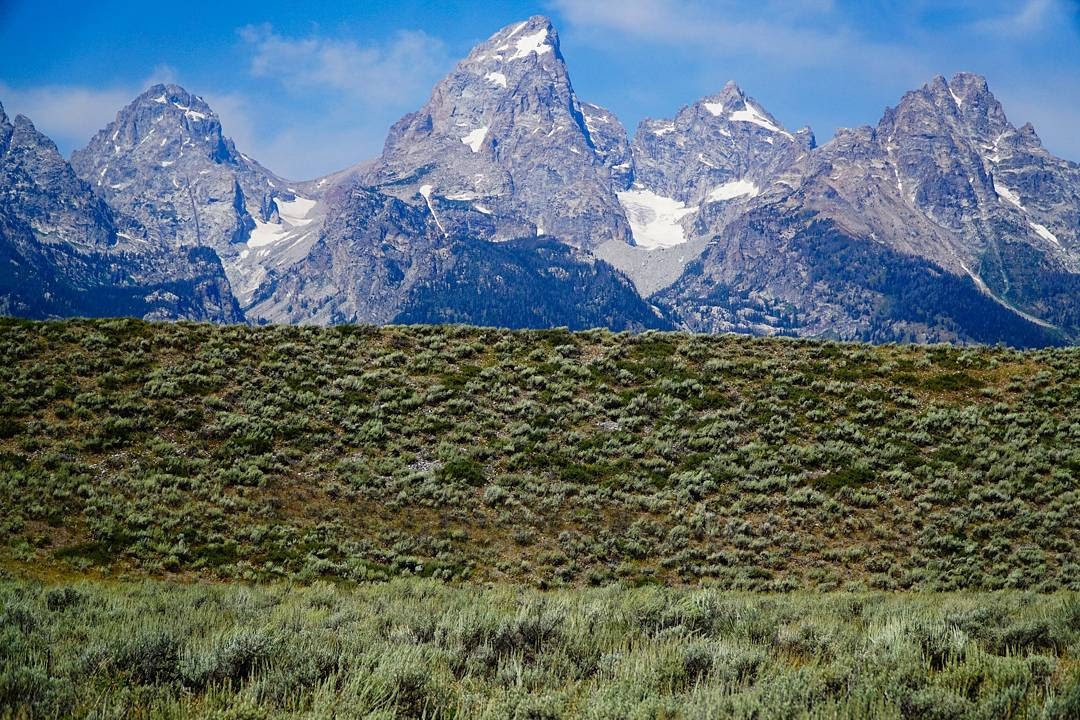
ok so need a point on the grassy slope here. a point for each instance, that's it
(542, 457)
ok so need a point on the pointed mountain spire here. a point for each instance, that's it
(504, 135)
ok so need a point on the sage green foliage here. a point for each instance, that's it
(421, 648)
(540, 457)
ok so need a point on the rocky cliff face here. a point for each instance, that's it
(67, 253)
(372, 249)
(381, 260)
(721, 148)
(335, 250)
(40, 189)
(165, 161)
(503, 150)
(505, 136)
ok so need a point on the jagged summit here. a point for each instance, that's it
(692, 174)
(503, 147)
(526, 40)
(25, 127)
(731, 90)
(166, 161)
(722, 147)
(38, 188)
(171, 96)
(944, 187)
(164, 124)
(964, 102)
(963, 88)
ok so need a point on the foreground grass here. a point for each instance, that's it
(540, 457)
(420, 648)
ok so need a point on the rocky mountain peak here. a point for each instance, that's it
(693, 174)
(26, 133)
(969, 85)
(38, 187)
(68, 253)
(722, 147)
(731, 95)
(166, 161)
(38, 158)
(503, 147)
(164, 124)
(1029, 136)
(173, 94)
(528, 40)
(962, 107)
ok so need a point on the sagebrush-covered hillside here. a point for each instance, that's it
(543, 457)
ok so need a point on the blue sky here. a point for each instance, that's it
(307, 90)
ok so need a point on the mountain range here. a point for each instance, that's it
(507, 200)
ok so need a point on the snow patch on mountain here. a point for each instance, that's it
(716, 109)
(1008, 195)
(476, 138)
(265, 234)
(425, 191)
(295, 211)
(294, 215)
(752, 115)
(535, 43)
(496, 78)
(1044, 233)
(1013, 198)
(654, 219)
(733, 189)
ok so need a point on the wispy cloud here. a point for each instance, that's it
(1026, 19)
(793, 30)
(71, 114)
(379, 74)
(364, 88)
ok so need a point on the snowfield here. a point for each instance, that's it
(654, 219)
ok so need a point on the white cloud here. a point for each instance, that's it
(359, 90)
(388, 73)
(792, 30)
(1029, 18)
(71, 114)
